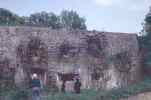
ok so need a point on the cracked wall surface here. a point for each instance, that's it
(103, 60)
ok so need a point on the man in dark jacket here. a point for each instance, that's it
(35, 85)
(77, 86)
(63, 87)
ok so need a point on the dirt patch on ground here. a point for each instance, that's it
(142, 96)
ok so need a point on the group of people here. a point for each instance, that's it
(77, 86)
(36, 85)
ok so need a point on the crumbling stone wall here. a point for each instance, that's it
(6, 74)
(103, 60)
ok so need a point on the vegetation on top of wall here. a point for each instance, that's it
(9, 18)
(67, 19)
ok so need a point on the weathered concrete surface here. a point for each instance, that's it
(102, 59)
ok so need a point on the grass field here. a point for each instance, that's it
(114, 94)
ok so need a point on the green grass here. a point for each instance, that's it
(15, 94)
(84, 95)
(114, 94)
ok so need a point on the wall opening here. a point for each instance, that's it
(67, 76)
(34, 58)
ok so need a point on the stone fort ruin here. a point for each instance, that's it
(103, 60)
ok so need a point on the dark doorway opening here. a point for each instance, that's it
(67, 76)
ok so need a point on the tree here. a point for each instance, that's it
(67, 19)
(147, 25)
(54, 21)
(44, 19)
(9, 18)
(71, 20)
(145, 39)
(39, 19)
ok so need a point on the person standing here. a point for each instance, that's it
(35, 85)
(77, 86)
(63, 87)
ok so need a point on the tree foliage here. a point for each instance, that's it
(8, 18)
(44, 19)
(145, 39)
(67, 19)
(71, 19)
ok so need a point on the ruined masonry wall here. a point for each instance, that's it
(116, 64)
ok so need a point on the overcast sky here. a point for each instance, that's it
(106, 15)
